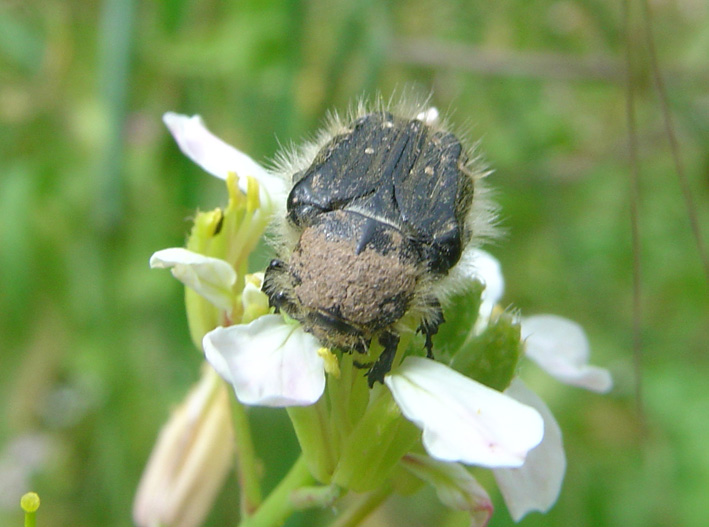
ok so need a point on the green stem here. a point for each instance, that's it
(30, 503)
(278, 506)
(363, 506)
(246, 463)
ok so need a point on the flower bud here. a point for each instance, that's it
(190, 460)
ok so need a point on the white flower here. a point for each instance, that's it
(269, 362)
(211, 277)
(217, 157)
(556, 344)
(561, 348)
(534, 486)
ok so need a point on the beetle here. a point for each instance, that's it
(380, 211)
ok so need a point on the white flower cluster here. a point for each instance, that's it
(271, 361)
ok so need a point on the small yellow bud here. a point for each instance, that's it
(30, 502)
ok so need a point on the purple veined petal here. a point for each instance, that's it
(211, 277)
(268, 362)
(534, 486)
(561, 348)
(217, 157)
(455, 486)
(463, 420)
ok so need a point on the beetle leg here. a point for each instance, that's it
(276, 298)
(429, 327)
(362, 365)
(390, 341)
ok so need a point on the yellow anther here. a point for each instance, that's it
(253, 201)
(236, 197)
(332, 366)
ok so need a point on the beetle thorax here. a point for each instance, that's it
(367, 287)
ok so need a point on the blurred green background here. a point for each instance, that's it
(94, 347)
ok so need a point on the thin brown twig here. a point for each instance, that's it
(634, 175)
(672, 138)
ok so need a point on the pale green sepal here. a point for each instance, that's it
(491, 357)
(455, 486)
(460, 317)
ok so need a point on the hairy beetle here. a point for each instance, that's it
(381, 209)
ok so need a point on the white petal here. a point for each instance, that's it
(535, 486)
(455, 486)
(561, 348)
(480, 265)
(269, 362)
(210, 277)
(217, 157)
(461, 419)
(488, 270)
(477, 264)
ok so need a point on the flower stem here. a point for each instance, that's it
(363, 506)
(246, 462)
(278, 506)
(30, 504)
(315, 437)
(339, 392)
